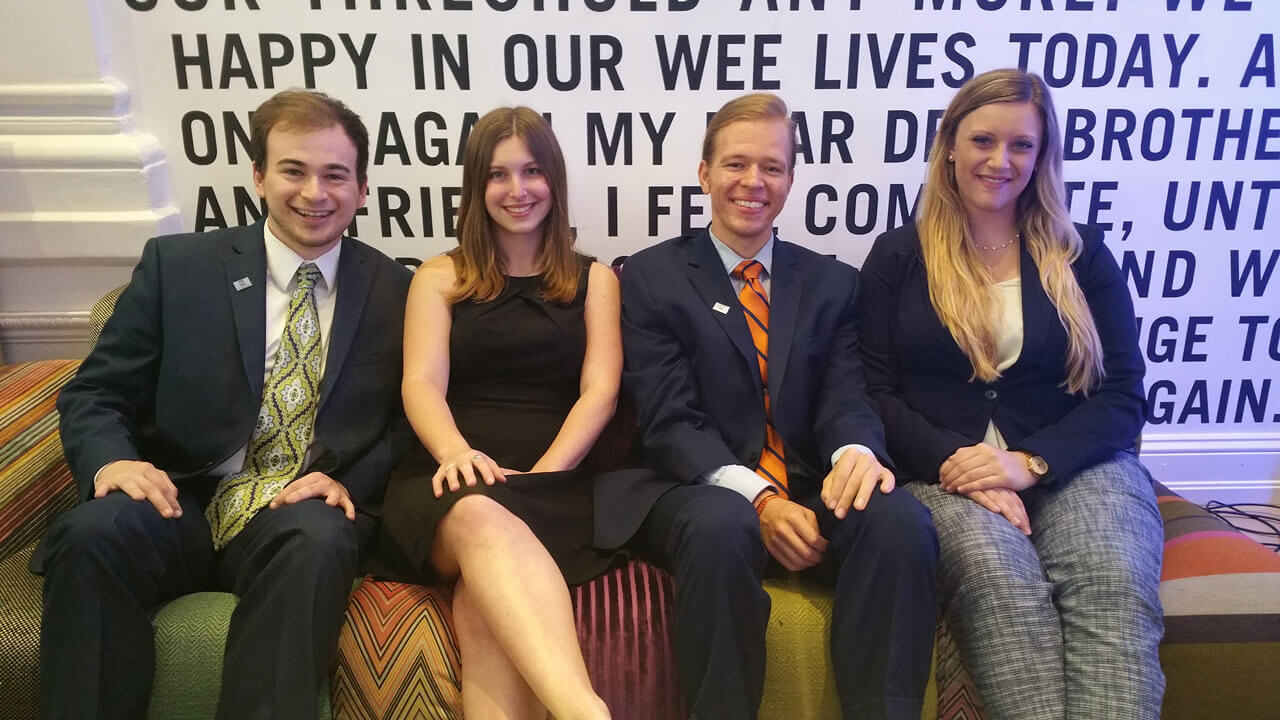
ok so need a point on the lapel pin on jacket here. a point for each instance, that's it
(242, 283)
(721, 308)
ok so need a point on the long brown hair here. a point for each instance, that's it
(476, 260)
(958, 277)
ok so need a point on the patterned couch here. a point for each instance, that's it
(398, 656)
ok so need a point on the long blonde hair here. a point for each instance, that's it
(959, 281)
(476, 260)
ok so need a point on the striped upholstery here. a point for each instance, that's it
(624, 629)
(1221, 595)
(35, 483)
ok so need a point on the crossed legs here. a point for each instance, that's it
(514, 618)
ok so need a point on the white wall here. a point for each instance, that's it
(1169, 106)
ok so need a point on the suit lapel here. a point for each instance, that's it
(1038, 313)
(355, 277)
(712, 284)
(785, 290)
(248, 260)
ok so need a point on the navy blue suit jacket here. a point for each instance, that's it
(691, 370)
(176, 378)
(919, 377)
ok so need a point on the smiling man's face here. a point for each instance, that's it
(310, 185)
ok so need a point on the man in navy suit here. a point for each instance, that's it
(161, 414)
(770, 444)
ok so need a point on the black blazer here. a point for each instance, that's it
(919, 378)
(177, 376)
(692, 374)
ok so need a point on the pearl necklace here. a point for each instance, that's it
(993, 248)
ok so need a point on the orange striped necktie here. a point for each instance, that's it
(755, 304)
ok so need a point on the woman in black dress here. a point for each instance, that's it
(513, 355)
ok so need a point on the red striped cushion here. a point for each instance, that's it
(35, 483)
(625, 632)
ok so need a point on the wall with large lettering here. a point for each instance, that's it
(1169, 110)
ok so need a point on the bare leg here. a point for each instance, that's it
(523, 602)
(491, 686)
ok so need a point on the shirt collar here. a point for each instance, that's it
(731, 258)
(283, 262)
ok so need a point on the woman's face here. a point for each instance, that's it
(516, 193)
(995, 155)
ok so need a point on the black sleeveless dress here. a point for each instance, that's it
(514, 369)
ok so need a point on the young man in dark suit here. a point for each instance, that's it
(742, 360)
(231, 430)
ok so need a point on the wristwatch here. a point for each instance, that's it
(1036, 465)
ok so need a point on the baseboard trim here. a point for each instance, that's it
(1228, 467)
(42, 335)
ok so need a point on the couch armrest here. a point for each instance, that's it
(35, 482)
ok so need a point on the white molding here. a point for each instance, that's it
(37, 335)
(1210, 443)
(18, 327)
(65, 108)
(1225, 466)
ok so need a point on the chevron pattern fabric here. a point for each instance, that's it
(191, 634)
(957, 697)
(397, 655)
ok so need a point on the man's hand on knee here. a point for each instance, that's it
(317, 485)
(790, 533)
(851, 481)
(140, 481)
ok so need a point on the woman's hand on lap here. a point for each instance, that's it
(983, 467)
(466, 467)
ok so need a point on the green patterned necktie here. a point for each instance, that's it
(282, 434)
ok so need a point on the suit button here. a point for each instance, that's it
(990, 394)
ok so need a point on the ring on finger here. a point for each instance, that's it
(450, 466)
(477, 458)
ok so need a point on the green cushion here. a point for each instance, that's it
(799, 682)
(191, 634)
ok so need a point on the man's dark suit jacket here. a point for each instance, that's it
(921, 379)
(691, 371)
(176, 378)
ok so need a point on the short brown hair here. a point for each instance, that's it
(756, 106)
(306, 110)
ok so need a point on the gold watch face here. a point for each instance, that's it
(1037, 465)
